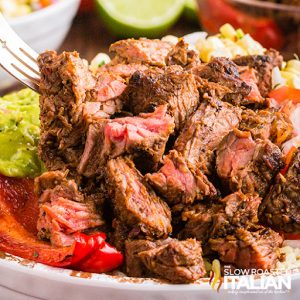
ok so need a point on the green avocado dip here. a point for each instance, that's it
(19, 134)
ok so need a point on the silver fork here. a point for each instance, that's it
(17, 58)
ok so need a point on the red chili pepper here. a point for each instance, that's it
(92, 254)
(102, 260)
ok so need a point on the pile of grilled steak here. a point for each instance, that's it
(175, 159)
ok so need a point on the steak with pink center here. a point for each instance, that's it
(178, 182)
(152, 52)
(143, 134)
(135, 203)
(63, 209)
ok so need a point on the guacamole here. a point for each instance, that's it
(19, 134)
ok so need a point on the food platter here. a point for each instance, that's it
(162, 165)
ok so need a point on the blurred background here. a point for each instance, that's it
(90, 26)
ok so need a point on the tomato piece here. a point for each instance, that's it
(285, 93)
(263, 29)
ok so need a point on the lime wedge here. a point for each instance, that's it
(190, 10)
(136, 18)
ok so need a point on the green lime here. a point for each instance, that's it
(190, 10)
(136, 18)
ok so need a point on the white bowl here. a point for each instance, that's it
(23, 280)
(43, 30)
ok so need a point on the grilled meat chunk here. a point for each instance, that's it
(267, 124)
(65, 82)
(224, 72)
(247, 249)
(179, 182)
(71, 98)
(220, 218)
(64, 210)
(151, 52)
(182, 56)
(146, 134)
(204, 131)
(134, 265)
(176, 261)
(123, 70)
(135, 203)
(281, 208)
(170, 86)
(264, 65)
(248, 165)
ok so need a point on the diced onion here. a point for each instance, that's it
(99, 60)
(172, 39)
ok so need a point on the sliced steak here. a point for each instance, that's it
(63, 209)
(123, 70)
(224, 72)
(179, 182)
(135, 203)
(264, 65)
(267, 124)
(281, 208)
(182, 56)
(71, 97)
(248, 165)
(254, 97)
(248, 249)
(176, 261)
(134, 264)
(146, 135)
(65, 82)
(170, 86)
(220, 218)
(204, 131)
(151, 52)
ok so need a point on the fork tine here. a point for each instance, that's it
(7, 34)
(17, 58)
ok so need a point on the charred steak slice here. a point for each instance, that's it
(205, 130)
(146, 135)
(264, 65)
(71, 97)
(65, 82)
(182, 56)
(176, 261)
(267, 124)
(246, 249)
(170, 86)
(281, 208)
(218, 219)
(248, 165)
(179, 182)
(145, 51)
(134, 264)
(135, 203)
(225, 73)
(64, 210)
